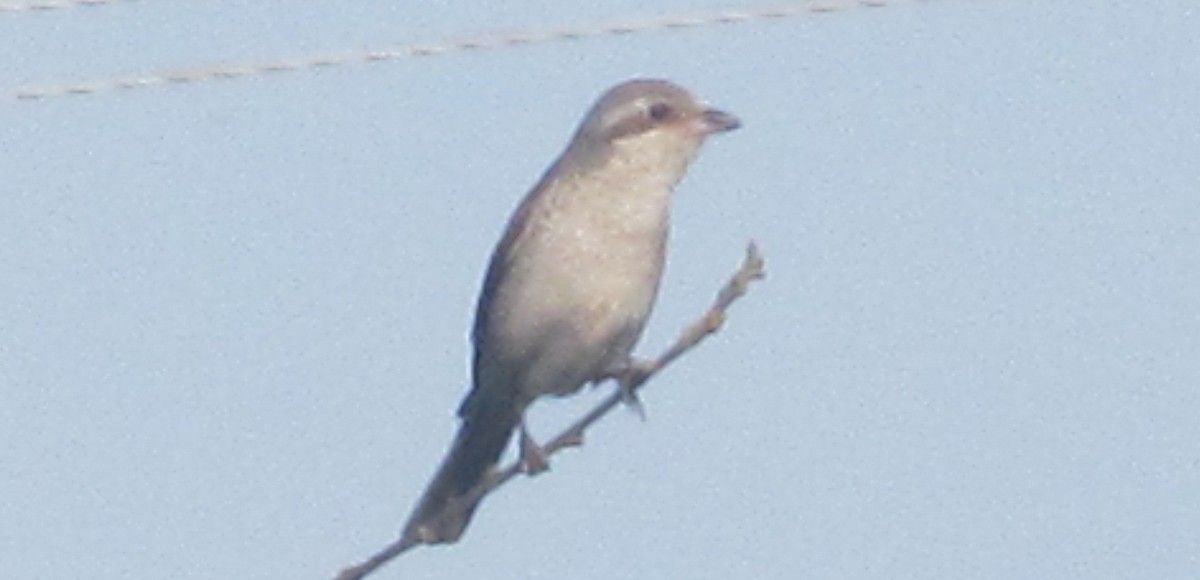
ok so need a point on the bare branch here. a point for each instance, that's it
(629, 382)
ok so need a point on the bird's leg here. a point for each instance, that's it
(630, 374)
(533, 459)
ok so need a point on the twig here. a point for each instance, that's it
(750, 270)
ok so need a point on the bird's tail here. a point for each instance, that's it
(448, 503)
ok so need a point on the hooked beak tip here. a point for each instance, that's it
(718, 121)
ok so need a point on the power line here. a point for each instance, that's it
(47, 5)
(483, 42)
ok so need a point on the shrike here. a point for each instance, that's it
(572, 281)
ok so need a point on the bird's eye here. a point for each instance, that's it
(660, 112)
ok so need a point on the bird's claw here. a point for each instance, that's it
(629, 376)
(533, 458)
(630, 398)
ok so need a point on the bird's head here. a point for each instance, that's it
(654, 119)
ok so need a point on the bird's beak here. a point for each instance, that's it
(717, 121)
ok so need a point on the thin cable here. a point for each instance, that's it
(473, 43)
(47, 5)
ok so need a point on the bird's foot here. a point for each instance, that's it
(629, 376)
(533, 458)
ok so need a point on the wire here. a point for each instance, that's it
(473, 43)
(47, 5)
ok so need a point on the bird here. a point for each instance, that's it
(571, 283)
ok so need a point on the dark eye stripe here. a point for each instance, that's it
(641, 117)
(660, 112)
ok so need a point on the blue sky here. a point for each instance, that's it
(234, 320)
